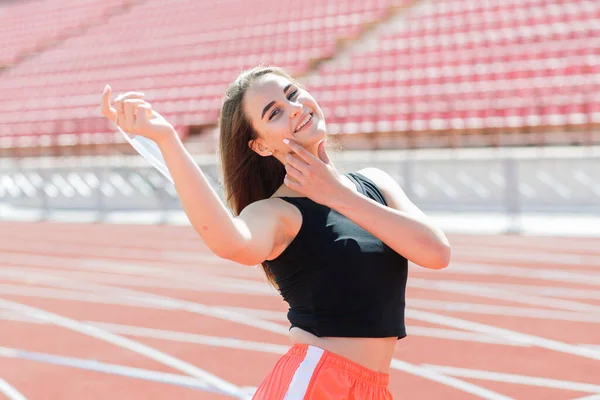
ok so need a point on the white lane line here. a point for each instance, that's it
(123, 267)
(486, 309)
(281, 316)
(216, 341)
(421, 331)
(186, 282)
(138, 300)
(281, 349)
(256, 323)
(164, 302)
(184, 337)
(482, 290)
(450, 286)
(592, 397)
(552, 291)
(450, 334)
(9, 391)
(439, 377)
(229, 285)
(483, 252)
(506, 333)
(510, 243)
(101, 252)
(563, 276)
(124, 343)
(107, 368)
(517, 379)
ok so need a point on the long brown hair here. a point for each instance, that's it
(247, 176)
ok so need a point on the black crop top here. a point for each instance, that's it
(338, 279)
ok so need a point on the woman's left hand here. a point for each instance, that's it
(316, 178)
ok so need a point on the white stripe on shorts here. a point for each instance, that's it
(303, 374)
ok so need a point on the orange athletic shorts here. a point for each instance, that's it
(310, 373)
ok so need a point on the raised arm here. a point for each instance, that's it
(248, 238)
(400, 225)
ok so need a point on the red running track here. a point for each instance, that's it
(118, 311)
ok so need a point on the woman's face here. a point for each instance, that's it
(279, 109)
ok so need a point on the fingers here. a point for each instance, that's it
(119, 102)
(105, 108)
(128, 114)
(300, 151)
(295, 161)
(294, 173)
(144, 113)
(112, 111)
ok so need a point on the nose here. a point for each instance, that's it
(296, 109)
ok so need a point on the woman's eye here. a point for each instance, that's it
(290, 96)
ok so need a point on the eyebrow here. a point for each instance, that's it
(268, 106)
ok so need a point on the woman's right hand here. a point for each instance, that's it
(135, 116)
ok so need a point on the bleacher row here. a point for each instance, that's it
(431, 66)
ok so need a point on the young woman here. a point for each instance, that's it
(335, 245)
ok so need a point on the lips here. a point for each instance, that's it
(303, 122)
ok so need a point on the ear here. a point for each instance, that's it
(257, 146)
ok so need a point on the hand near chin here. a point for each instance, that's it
(314, 177)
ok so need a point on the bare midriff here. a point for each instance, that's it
(373, 353)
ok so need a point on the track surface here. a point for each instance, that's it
(121, 312)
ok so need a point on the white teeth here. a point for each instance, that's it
(306, 119)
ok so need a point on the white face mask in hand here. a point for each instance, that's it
(149, 150)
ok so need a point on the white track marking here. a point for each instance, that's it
(189, 282)
(280, 349)
(483, 252)
(184, 337)
(123, 267)
(552, 291)
(486, 309)
(450, 334)
(591, 346)
(9, 391)
(422, 331)
(228, 285)
(265, 325)
(216, 341)
(450, 286)
(100, 252)
(482, 290)
(116, 295)
(260, 313)
(447, 380)
(506, 333)
(504, 243)
(124, 343)
(113, 369)
(592, 397)
(517, 379)
(562, 276)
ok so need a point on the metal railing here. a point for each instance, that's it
(509, 181)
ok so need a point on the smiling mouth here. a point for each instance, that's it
(305, 122)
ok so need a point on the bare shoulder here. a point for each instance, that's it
(390, 189)
(273, 206)
(384, 181)
(284, 218)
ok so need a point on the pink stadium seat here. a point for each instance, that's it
(182, 59)
(509, 52)
(445, 64)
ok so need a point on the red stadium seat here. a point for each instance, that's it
(449, 64)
